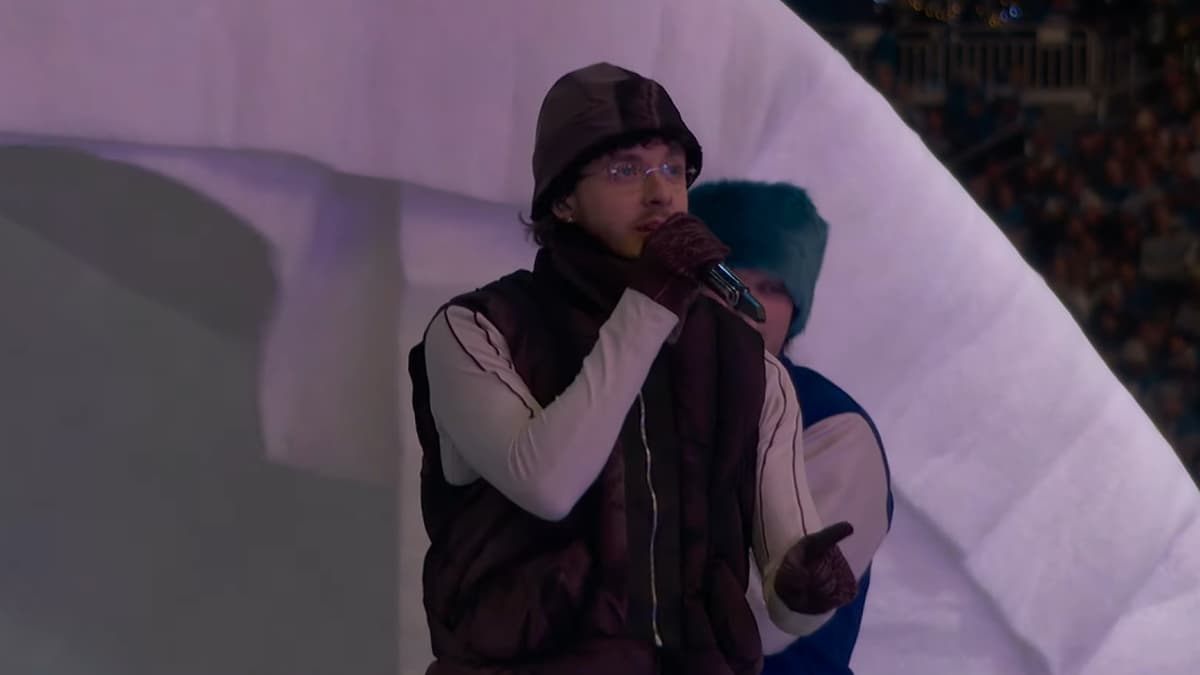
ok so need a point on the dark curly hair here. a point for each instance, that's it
(542, 229)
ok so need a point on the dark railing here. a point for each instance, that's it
(1057, 64)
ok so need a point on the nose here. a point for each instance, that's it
(656, 191)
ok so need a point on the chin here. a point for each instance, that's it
(630, 249)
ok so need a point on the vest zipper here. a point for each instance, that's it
(658, 641)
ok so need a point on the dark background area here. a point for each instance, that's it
(1076, 126)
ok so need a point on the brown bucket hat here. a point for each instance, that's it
(589, 110)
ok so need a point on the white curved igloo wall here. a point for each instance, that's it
(1057, 503)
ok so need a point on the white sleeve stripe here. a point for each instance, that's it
(461, 345)
(457, 338)
(492, 343)
(796, 429)
(762, 473)
(787, 511)
(782, 381)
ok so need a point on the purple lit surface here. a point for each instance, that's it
(208, 463)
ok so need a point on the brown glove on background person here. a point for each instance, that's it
(674, 261)
(814, 576)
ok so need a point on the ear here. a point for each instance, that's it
(564, 209)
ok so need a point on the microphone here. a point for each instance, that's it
(733, 290)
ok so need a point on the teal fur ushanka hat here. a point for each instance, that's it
(771, 227)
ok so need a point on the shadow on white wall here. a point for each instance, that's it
(141, 528)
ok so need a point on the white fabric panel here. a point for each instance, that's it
(925, 614)
(441, 93)
(1058, 499)
(1162, 613)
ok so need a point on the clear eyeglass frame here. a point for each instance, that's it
(624, 172)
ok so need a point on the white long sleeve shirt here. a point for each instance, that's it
(544, 459)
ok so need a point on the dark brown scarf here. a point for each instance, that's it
(587, 266)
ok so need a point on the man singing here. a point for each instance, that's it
(604, 445)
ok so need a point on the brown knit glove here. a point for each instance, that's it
(814, 577)
(674, 261)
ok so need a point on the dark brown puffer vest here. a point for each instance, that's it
(648, 573)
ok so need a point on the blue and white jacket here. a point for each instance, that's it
(850, 479)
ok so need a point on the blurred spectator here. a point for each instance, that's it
(1009, 212)
(1177, 115)
(1158, 31)
(934, 132)
(1115, 188)
(1170, 252)
(887, 46)
(1144, 192)
(1084, 198)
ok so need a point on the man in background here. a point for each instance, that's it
(778, 243)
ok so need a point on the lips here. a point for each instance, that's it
(650, 225)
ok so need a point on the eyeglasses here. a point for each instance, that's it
(624, 172)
